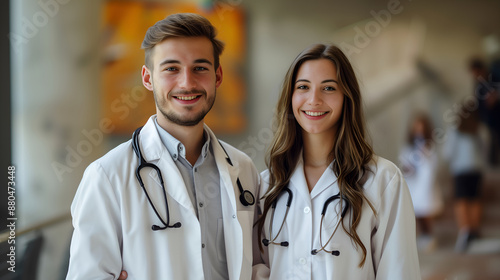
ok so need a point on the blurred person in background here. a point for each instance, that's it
(487, 90)
(465, 155)
(419, 163)
(174, 202)
(331, 208)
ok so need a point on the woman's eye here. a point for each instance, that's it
(328, 88)
(302, 87)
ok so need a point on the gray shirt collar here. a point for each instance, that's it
(175, 148)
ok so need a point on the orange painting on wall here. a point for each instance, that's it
(127, 104)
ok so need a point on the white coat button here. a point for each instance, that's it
(302, 261)
(234, 216)
(307, 210)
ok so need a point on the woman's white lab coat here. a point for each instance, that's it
(112, 218)
(388, 235)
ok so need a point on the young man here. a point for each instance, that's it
(191, 216)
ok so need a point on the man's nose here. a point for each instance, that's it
(187, 80)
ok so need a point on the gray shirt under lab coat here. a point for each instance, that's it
(203, 185)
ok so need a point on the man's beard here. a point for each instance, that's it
(194, 120)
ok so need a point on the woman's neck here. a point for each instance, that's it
(317, 148)
(316, 151)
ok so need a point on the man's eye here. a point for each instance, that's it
(200, 68)
(170, 69)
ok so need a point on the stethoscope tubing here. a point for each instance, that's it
(272, 239)
(143, 164)
(246, 197)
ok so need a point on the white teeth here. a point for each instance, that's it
(186, 97)
(314, 114)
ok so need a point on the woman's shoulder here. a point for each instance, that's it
(380, 173)
(379, 165)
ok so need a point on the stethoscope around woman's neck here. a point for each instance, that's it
(246, 197)
(273, 240)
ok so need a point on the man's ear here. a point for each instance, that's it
(147, 78)
(218, 76)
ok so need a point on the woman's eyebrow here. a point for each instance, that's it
(325, 81)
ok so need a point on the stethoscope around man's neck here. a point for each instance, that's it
(246, 197)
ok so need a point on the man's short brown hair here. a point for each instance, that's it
(181, 25)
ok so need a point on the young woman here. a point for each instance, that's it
(331, 209)
(419, 164)
(466, 156)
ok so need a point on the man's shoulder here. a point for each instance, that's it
(117, 156)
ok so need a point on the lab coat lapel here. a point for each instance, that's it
(228, 170)
(298, 181)
(233, 235)
(327, 179)
(155, 152)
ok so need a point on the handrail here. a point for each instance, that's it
(4, 236)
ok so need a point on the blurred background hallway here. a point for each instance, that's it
(72, 91)
(482, 258)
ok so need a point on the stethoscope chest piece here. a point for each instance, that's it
(247, 198)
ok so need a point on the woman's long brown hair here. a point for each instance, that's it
(351, 151)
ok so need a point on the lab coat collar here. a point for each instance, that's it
(327, 179)
(151, 146)
(155, 152)
(228, 169)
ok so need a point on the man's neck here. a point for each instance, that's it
(192, 137)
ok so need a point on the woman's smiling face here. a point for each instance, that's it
(317, 98)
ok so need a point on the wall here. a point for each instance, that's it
(55, 58)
